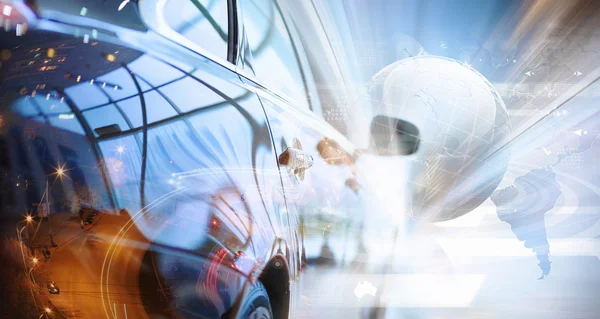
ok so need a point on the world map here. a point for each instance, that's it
(524, 205)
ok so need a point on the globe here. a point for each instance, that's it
(463, 125)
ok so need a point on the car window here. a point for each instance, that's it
(204, 22)
(274, 59)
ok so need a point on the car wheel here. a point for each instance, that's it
(256, 305)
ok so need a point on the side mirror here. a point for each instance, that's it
(392, 136)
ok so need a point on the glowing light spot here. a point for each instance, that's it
(110, 57)
(20, 29)
(60, 171)
(7, 10)
(83, 11)
(78, 78)
(66, 116)
(121, 149)
(364, 288)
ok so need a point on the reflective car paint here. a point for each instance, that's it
(177, 145)
(173, 172)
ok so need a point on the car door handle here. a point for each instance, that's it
(297, 161)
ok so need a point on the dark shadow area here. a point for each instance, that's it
(154, 290)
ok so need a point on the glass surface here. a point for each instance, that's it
(24, 107)
(188, 94)
(153, 71)
(50, 103)
(105, 116)
(273, 56)
(157, 108)
(119, 84)
(71, 124)
(203, 22)
(87, 95)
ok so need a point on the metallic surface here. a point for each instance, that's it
(162, 169)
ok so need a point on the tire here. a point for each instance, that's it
(256, 305)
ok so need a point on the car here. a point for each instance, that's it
(197, 126)
(53, 288)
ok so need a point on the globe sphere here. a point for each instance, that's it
(463, 126)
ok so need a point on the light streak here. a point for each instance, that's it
(123, 4)
(117, 239)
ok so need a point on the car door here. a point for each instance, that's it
(168, 143)
(321, 190)
(321, 194)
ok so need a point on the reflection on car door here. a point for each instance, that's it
(328, 188)
(176, 146)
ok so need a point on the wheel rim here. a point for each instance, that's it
(260, 313)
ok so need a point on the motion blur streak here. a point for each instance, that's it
(494, 247)
(404, 290)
